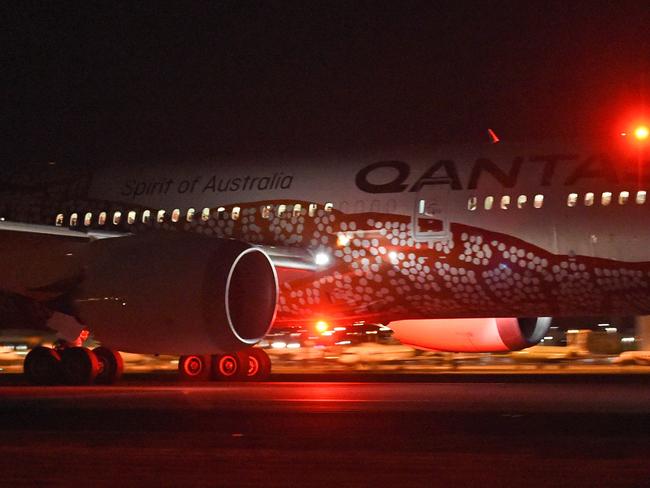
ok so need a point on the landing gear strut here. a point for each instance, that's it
(72, 366)
(248, 365)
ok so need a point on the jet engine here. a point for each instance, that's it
(472, 334)
(173, 293)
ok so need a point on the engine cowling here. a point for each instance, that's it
(172, 293)
(472, 334)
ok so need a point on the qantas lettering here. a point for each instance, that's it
(445, 172)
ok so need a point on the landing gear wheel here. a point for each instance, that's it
(110, 365)
(79, 366)
(259, 365)
(42, 366)
(195, 367)
(229, 367)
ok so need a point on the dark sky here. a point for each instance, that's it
(143, 80)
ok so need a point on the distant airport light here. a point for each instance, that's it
(572, 331)
(321, 259)
(628, 339)
(293, 345)
(340, 328)
(322, 326)
(343, 343)
(611, 330)
(641, 133)
(548, 338)
(603, 325)
(278, 345)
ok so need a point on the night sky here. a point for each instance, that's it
(107, 81)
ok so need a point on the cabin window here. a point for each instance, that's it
(101, 220)
(572, 200)
(176, 214)
(606, 198)
(266, 211)
(505, 202)
(221, 211)
(130, 217)
(312, 209)
(640, 197)
(161, 216)
(88, 219)
(281, 210)
(489, 201)
(521, 201)
(73, 220)
(623, 197)
(471, 203)
(59, 220)
(297, 209)
(235, 213)
(190, 214)
(146, 216)
(589, 199)
(538, 201)
(117, 217)
(205, 214)
(328, 207)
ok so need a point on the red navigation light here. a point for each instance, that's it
(641, 133)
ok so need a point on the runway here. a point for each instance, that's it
(459, 433)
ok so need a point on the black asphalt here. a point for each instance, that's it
(424, 431)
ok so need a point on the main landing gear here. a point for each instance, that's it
(72, 366)
(248, 365)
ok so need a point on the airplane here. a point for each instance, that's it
(467, 249)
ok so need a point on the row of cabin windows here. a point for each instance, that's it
(160, 216)
(505, 202)
(606, 198)
(588, 200)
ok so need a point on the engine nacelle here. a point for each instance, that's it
(172, 293)
(472, 334)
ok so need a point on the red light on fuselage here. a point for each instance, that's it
(641, 133)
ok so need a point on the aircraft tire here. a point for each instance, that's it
(259, 365)
(230, 366)
(42, 366)
(79, 366)
(195, 367)
(111, 365)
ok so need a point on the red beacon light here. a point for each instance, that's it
(641, 133)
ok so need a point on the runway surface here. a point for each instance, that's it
(452, 433)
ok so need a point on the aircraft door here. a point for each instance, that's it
(431, 213)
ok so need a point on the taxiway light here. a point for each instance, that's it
(641, 133)
(322, 326)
